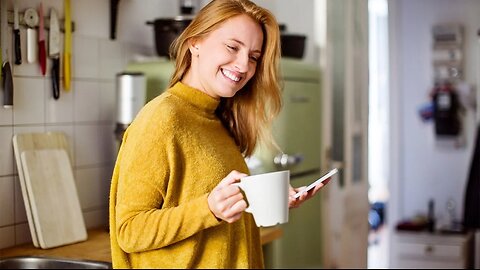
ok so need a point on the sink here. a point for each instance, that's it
(39, 262)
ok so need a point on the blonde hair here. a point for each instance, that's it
(249, 114)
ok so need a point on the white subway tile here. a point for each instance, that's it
(88, 145)
(6, 158)
(87, 101)
(86, 57)
(22, 234)
(7, 236)
(107, 101)
(96, 218)
(6, 114)
(20, 211)
(7, 198)
(29, 101)
(92, 187)
(111, 59)
(58, 110)
(107, 135)
(92, 16)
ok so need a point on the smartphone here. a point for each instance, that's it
(312, 185)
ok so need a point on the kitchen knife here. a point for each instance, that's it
(16, 34)
(68, 47)
(42, 55)
(54, 52)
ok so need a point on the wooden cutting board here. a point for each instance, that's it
(34, 141)
(53, 197)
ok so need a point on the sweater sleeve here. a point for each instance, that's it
(142, 223)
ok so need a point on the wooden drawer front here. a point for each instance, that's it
(430, 251)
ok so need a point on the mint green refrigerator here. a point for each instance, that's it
(298, 133)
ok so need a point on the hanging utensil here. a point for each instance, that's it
(68, 47)
(7, 80)
(42, 55)
(7, 85)
(54, 52)
(113, 18)
(1, 44)
(31, 20)
(16, 34)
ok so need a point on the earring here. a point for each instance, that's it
(196, 52)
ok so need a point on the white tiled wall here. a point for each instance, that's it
(86, 113)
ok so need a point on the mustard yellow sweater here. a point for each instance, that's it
(172, 155)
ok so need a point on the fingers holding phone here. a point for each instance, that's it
(301, 194)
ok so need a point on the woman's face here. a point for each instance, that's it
(226, 59)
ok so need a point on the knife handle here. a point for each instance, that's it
(18, 50)
(113, 18)
(56, 77)
(7, 85)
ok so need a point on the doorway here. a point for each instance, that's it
(378, 130)
(345, 144)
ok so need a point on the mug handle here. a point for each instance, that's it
(242, 189)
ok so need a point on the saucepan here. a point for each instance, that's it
(166, 30)
(292, 44)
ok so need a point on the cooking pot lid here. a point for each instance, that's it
(176, 18)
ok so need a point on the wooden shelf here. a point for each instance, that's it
(97, 247)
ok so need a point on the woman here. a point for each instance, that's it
(172, 202)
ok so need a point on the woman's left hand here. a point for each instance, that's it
(296, 202)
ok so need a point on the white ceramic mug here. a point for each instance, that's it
(267, 197)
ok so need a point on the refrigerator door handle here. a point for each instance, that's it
(285, 160)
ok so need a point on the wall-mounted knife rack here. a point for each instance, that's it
(46, 20)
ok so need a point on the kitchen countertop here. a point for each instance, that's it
(97, 246)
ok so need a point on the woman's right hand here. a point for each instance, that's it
(226, 201)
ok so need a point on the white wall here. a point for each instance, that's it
(424, 169)
(298, 16)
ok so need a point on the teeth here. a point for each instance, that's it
(230, 75)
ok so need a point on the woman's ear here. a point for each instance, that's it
(193, 47)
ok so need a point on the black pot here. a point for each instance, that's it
(292, 45)
(166, 30)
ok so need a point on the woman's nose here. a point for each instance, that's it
(241, 62)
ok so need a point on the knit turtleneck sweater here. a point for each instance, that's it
(172, 155)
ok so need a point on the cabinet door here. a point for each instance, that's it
(425, 250)
(296, 130)
(301, 243)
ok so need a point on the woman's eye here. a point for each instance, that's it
(254, 58)
(232, 48)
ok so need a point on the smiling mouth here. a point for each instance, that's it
(231, 75)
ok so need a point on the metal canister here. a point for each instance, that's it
(130, 98)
